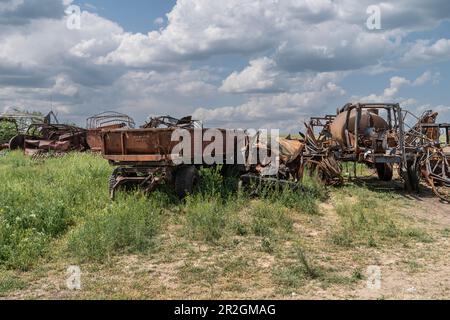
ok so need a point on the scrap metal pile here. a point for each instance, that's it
(37, 134)
(45, 136)
(42, 138)
(384, 137)
(171, 122)
(18, 123)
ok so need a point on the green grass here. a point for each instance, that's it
(41, 201)
(205, 218)
(296, 273)
(10, 283)
(64, 202)
(127, 225)
(267, 218)
(59, 210)
(366, 219)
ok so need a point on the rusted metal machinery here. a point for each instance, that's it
(108, 120)
(365, 136)
(320, 151)
(259, 170)
(144, 157)
(20, 121)
(171, 122)
(432, 156)
(57, 138)
(373, 134)
(376, 134)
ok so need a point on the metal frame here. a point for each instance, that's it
(109, 118)
(395, 122)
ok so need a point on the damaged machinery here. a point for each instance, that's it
(432, 156)
(320, 151)
(382, 136)
(16, 124)
(108, 120)
(171, 122)
(143, 157)
(43, 138)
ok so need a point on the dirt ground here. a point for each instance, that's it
(237, 269)
(428, 273)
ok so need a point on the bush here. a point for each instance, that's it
(128, 225)
(21, 248)
(40, 201)
(9, 282)
(304, 201)
(206, 218)
(211, 182)
(269, 218)
(7, 131)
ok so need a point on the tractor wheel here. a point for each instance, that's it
(186, 179)
(414, 177)
(385, 171)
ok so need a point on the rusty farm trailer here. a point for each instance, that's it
(144, 157)
(108, 120)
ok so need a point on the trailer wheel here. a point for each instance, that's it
(385, 171)
(112, 183)
(232, 171)
(186, 179)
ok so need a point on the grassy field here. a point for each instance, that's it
(218, 243)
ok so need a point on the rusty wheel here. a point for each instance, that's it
(436, 171)
(385, 171)
(17, 142)
(186, 180)
(112, 184)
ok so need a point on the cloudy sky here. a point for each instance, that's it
(235, 63)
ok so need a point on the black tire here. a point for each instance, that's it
(186, 179)
(232, 171)
(414, 177)
(385, 171)
(111, 183)
(17, 142)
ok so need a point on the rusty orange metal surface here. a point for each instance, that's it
(148, 145)
(94, 136)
